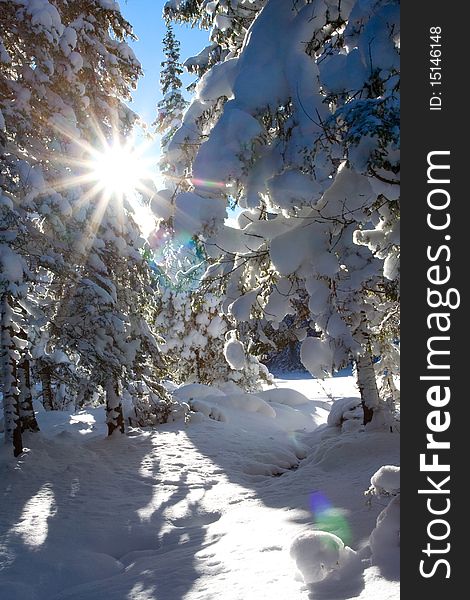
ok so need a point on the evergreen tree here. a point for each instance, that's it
(192, 321)
(228, 22)
(170, 109)
(299, 124)
(66, 72)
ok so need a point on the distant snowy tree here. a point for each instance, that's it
(192, 321)
(228, 21)
(189, 317)
(298, 122)
(170, 109)
(199, 339)
(280, 347)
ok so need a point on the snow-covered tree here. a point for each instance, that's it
(299, 124)
(171, 107)
(193, 323)
(228, 22)
(11, 345)
(66, 73)
(102, 318)
(201, 346)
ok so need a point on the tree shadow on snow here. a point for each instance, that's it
(88, 519)
(328, 471)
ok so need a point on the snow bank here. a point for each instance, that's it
(188, 392)
(384, 540)
(200, 511)
(214, 406)
(249, 403)
(208, 409)
(287, 409)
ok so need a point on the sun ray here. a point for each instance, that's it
(94, 224)
(86, 197)
(115, 167)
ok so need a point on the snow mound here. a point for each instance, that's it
(386, 481)
(230, 387)
(249, 403)
(208, 409)
(188, 392)
(283, 396)
(384, 540)
(318, 553)
(346, 413)
(215, 403)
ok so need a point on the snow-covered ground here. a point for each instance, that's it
(206, 510)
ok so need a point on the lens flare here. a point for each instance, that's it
(328, 518)
(209, 184)
(177, 260)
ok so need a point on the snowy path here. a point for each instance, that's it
(206, 512)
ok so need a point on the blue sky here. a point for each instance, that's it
(146, 18)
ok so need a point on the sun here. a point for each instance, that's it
(124, 173)
(119, 170)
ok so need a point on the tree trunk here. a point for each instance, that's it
(28, 418)
(198, 366)
(114, 414)
(9, 380)
(367, 384)
(84, 395)
(45, 373)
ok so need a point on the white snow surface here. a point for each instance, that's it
(208, 510)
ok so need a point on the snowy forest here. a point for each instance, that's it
(199, 351)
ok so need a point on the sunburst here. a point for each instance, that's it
(123, 172)
(117, 170)
(114, 169)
